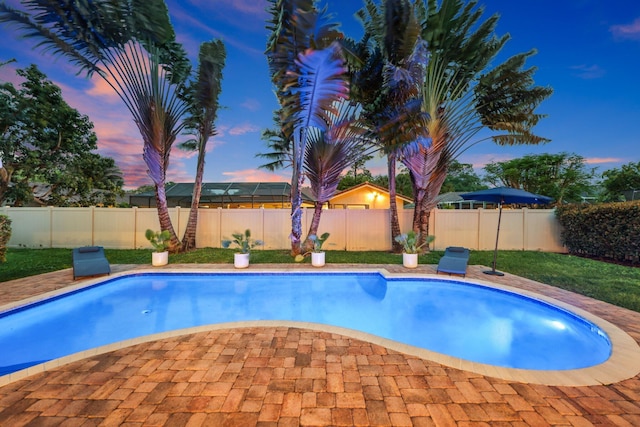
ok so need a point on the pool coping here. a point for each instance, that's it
(623, 364)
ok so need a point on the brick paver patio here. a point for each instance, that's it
(287, 376)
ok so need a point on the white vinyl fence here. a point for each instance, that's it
(351, 230)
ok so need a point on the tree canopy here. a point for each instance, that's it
(47, 149)
(622, 183)
(564, 176)
(461, 177)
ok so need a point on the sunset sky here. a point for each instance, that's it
(588, 52)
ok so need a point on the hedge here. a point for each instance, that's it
(5, 235)
(610, 230)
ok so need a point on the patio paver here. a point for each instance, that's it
(290, 376)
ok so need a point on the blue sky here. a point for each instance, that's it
(588, 52)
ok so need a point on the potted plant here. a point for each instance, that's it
(244, 244)
(411, 248)
(160, 242)
(317, 254)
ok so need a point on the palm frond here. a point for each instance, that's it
(319, 81)
(329, 153)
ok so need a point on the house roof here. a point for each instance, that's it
(228, 192)
(375, 187)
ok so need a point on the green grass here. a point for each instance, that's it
(612, 283)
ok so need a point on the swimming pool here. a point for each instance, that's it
(456, 318)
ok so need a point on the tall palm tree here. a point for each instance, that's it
(462, 95)
(307, 69)
(384, 82)
(330, 152)
(202, 97)
(131, 45)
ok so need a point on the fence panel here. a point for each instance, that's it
(511, 229)
(368, 230)
(542, 231)
(208, 232)
(332, 221)
(238, 220)
(454, 228)
(277, 227)
(71, 227)
(114, 227)
(520, 229)
(30, 227)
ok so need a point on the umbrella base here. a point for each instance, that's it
(493, 273)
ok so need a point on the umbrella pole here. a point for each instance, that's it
(495, 251)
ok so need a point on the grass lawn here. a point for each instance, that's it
(612, 283)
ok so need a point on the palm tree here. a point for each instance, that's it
(308, 72)
(280, 155)
(460, 97)
(386, 83)
(329, 152)
(202, 98)
(131, 45)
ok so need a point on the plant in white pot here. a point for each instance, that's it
(317, 254)
(411, 247)
(160, 242)
(244, 244)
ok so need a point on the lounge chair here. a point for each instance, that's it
(454, 261)
(89, 261)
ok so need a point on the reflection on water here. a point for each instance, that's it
(465, 321)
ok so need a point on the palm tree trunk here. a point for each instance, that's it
(428, 203)
(315, 222)
(393, 206)
(189, 238)
(296, 211)
(165, 219)
(418, 200)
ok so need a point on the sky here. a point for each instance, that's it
(588, 53)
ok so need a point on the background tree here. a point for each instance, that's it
(202, 98)
(461, 177)
(564, 177)
(620, 183)
(384, 79)
(131, 46)
(47, 149)
(280, 156)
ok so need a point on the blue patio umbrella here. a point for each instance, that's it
(504, 195)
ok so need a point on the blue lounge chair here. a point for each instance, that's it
(454, 261)
(89, 261)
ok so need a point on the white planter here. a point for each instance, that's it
(317, 259)
(410, 260)
(241, 260)
(159, 258)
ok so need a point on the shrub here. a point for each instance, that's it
(610, 230)
(5, 235)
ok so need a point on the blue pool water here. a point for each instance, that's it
(459, 319)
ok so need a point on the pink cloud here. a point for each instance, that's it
(600, 160)
(243, 129)
(629, 31)
(255, 175)
(8, 74)
(100, 88)
(251, 104)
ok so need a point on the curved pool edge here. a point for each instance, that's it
(623, 364)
